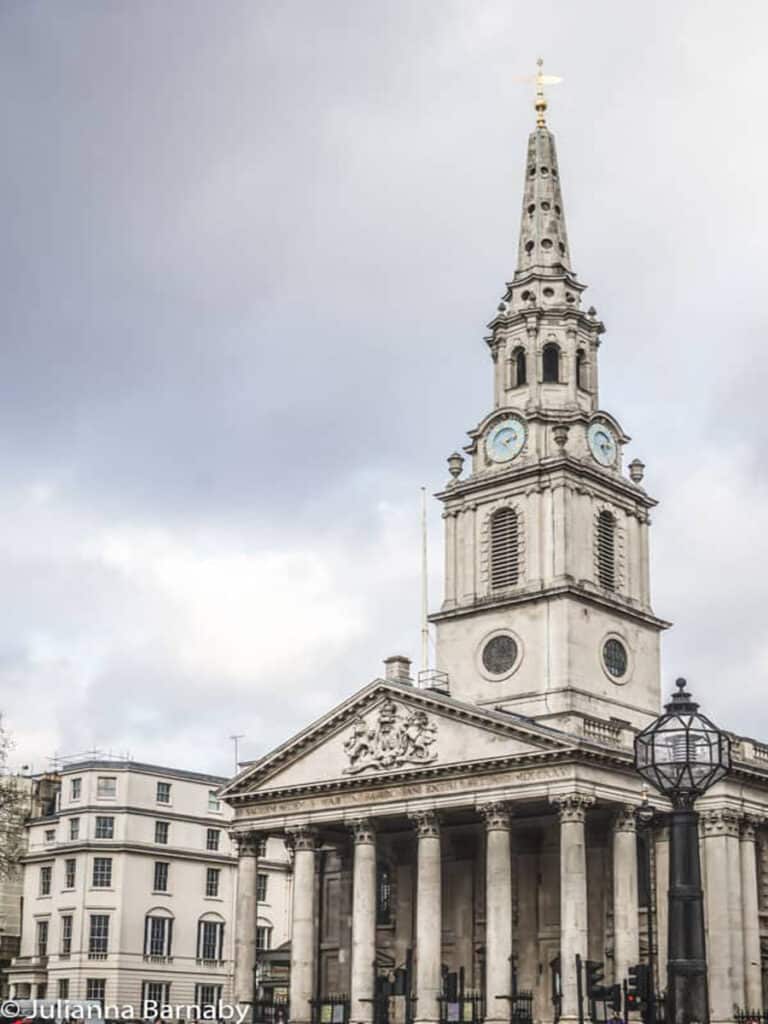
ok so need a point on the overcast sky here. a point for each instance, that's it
(248, 253)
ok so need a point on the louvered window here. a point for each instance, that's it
(505, 553)
(551, 364)
(520, 367)
(606, 550)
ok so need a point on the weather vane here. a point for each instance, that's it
(541, 101)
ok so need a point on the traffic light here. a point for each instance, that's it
(638, 987)
(594, 976)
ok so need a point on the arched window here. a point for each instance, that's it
(551, 364)
(505, 553)
(521, 375)
(158, 933)
(606, 550)
(383, 893)
(581, 369)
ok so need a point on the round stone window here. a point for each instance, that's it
(499, 654)
(615, 658)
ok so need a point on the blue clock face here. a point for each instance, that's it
(506, 440)
(602, 444)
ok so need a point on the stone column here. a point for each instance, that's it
(626, 927)
(246, 915)
(573, 895)
(735, 918)
(468, 539)
(753, 984)
(450, 559)
(715, 827)
(363, 922)
(661, 853)
(303, 842)
(498, 913)
(429, 926)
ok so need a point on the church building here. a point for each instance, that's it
(458, 839)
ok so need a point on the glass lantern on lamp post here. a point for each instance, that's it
(681, 755)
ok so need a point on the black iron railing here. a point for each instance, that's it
(468, 1008)
(271, 1011)
(331, 1009)
(522, 1008)
(751, 1017)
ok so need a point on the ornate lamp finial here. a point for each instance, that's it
(541, 100)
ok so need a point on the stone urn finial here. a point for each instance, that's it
(636, 470)
(560, 434)
(455, 464)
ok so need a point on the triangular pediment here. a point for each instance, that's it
(391, 729)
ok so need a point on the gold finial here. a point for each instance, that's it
(541, 100)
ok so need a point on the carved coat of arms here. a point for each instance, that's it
(396, 739)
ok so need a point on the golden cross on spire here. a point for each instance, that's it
(541, 100)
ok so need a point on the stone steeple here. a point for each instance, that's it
(547, 607)
(543, 237)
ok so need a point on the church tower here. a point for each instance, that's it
(547, 607)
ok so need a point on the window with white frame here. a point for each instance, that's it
(106, 787)
(105, 827)
(50, 835)
(66, 935)
(207, 1000)
(98, 936)
(63, 988)
(212, 838)
(163, 793)
(162, 830)
(158, 935)
(261, 887)
(155, 997)
(160, 881)
(46, 871)
(212, 881)
(96, 991)
(214, 804)
(70, 873)
(261, 849)
(102, 872)
(210, 940)
(75, 789)
(41, 940)
(263, 936)
(74, 828)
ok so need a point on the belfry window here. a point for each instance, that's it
(606, 550)
(581, 369)
(383, 894)
(551, 364)
(505, 548)
(520, 368)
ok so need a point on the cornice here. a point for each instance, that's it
(539, 471)
(580, 752)
(109, 847)
(546, 593)
(109, 810)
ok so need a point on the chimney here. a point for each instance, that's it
(398, 668)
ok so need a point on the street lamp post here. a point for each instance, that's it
(682, 754)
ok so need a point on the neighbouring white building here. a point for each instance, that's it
(130, 890)
(461, 838)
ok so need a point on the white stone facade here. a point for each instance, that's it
(130, 889)
(487, 831)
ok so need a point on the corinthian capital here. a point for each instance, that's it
(497, 817)
(426, 824)
(248, 842)
(719, 821)
(625, 820)
(572, 807)
(301, 837)
(363, 831)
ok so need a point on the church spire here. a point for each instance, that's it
(543, 236)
